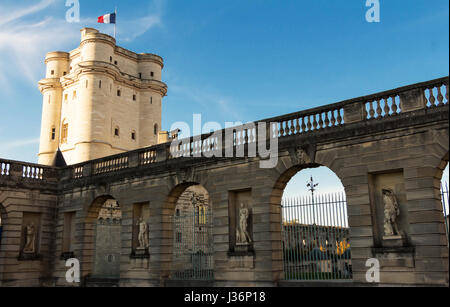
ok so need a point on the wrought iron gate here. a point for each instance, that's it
(193, 245)
(316, 242)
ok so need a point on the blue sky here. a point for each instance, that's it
(228, 60)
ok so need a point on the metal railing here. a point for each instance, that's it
(315, 234)
(193, 245)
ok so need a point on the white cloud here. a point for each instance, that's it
(24, 43)
(22, 12)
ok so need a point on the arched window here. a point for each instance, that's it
(156, 129)
(64, 132)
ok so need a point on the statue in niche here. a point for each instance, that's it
(30, 242)
(391, 212)
(143, 233)
(242, 235)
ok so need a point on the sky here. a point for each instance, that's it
(229, 60)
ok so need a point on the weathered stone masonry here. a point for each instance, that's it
(397, 139)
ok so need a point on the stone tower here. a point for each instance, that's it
(100, 100)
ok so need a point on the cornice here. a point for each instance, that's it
(49, 83)
(110, 70)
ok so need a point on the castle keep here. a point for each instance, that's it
(99, 100)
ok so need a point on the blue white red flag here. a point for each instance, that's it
(108, 18)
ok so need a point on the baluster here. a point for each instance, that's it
(327, 120)
(281, 129)
(333, 119)
(371, 110)
(394, 106)
(314, 122)
(387, 109)
(366, 114)
(297, 126)
(440, 98)
(292, 131)
(432, 99)
(446, 93)
(339, 118)
(379, 110)
(303, 125)
(309, 123)
(320, 121)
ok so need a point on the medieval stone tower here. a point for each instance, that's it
(99, 100)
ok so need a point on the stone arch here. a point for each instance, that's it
(89, 235)
(287, 173)
(441, 192)
(3, 223)
(167, 219)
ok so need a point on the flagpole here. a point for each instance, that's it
(115, 12)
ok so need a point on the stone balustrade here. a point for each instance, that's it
(27, 171)
(388, 104)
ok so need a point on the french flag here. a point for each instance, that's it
(108, 18)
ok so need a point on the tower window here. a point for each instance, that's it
(140, 75)
(100, 84)
(152, 74)
(64, 73)
(118, 93)
(52, 72)
(116, 131)
(133, 135)
(110, 59)
(115, 62)
(155, 128)
(53, 134)
(64, 133)
(151, 100)
(134, 97)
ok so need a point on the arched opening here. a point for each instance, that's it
(2, 221)
(191, 242)
(102, 241)
(442, 176)
(315, 229)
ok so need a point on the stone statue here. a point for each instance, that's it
(30, 242)
(242, 235)
(143, 233)
(391, 212)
